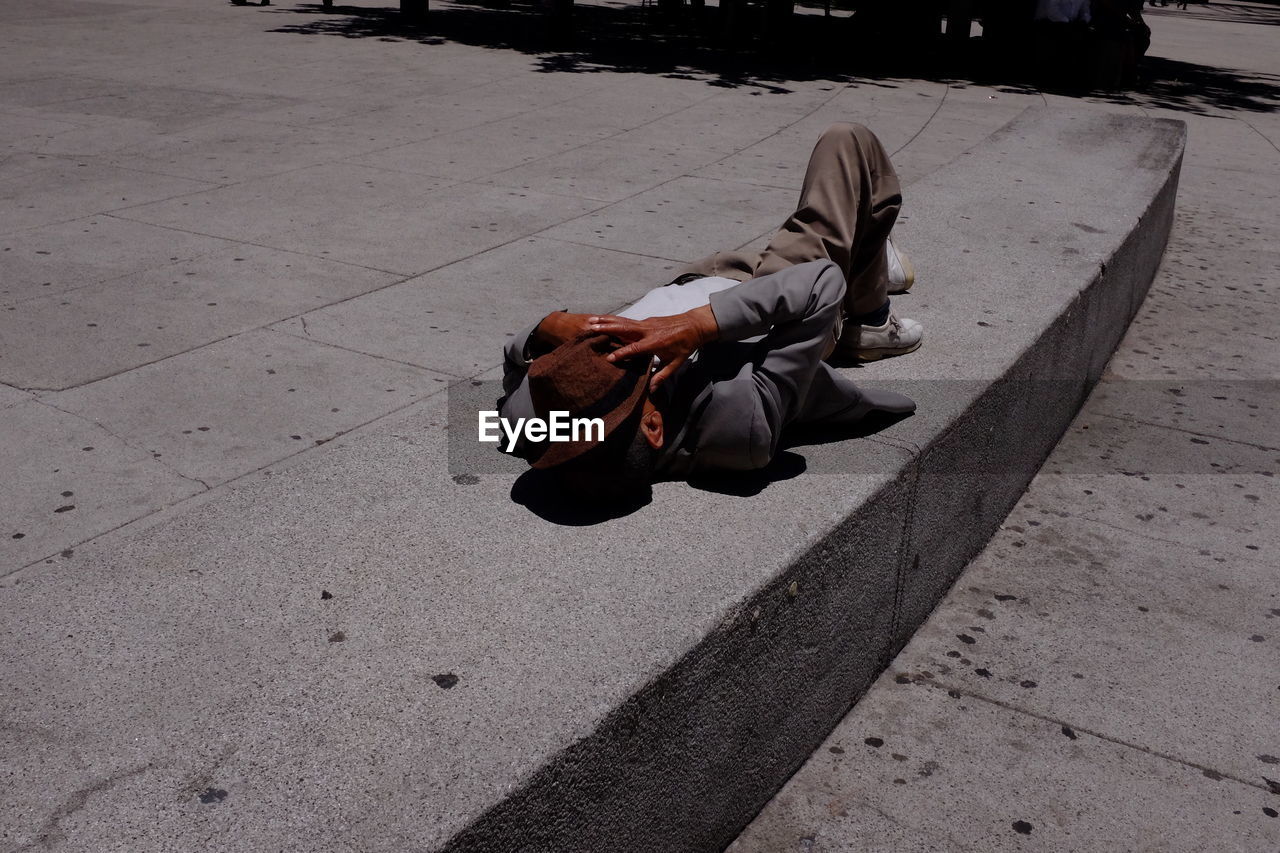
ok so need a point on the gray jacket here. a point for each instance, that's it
(726, 408)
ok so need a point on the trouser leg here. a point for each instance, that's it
(848, 204)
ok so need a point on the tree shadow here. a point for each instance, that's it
(625, 39)
(1227, 13)
(1188, 87)
(695, 44)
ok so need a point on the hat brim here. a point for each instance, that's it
(560, 452)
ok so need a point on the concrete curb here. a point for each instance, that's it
(688, 760)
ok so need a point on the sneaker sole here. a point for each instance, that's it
(885, 352)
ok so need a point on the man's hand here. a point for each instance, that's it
(559, 327)
(671, 339)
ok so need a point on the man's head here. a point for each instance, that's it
(576, 378)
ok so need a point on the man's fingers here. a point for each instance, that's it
(629, 332)
(667, 369)
(629, 351)
(610, 320)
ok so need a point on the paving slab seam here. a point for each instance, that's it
(1215, 436)
(158, 516)
(633, 254)
(109, 211)
(1169, 543)
(926, 124)
(126, 442)
(193, 256)
(266, 327)
(331, 345)
(622, 132)
(1216, 775)
(1265, 138)
(243, 242)
(543, 108)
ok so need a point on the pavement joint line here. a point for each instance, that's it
(781, 129)
(1173, 759)
(146, 269)
(263, 327)
(738, 180)
(926, 124)
(110, 211)
(7, 109)
(257, 245)
(540, 108)
(1184, 431)
(126, 442)
(541, 236)
(589, 142)
(161, 513)
(1266, 138)
(1166, 542)
(491, 183)
(323, 343)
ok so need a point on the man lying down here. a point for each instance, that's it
(705, 373)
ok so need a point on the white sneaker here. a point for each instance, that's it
(895, 337)
(901, 273)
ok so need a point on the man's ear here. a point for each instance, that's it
(651, 425)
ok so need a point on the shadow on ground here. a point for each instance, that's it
(694, 45)
(1229, 13)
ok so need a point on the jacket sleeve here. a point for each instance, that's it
(797, 310)
(515, 402)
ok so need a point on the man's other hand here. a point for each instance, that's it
(672, 339)
(560, 327)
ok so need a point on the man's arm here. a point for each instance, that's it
(797, 310)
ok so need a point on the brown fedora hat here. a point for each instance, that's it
(575, 378)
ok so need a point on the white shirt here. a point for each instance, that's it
(672, 299)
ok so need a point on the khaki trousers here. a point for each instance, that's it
(848, 204)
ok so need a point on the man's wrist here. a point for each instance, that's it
(708, 328)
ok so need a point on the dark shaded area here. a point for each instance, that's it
(1189, 87)
(738, 49)
(634, 38)
(541, 494)
(799, 436)
(746, 484)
